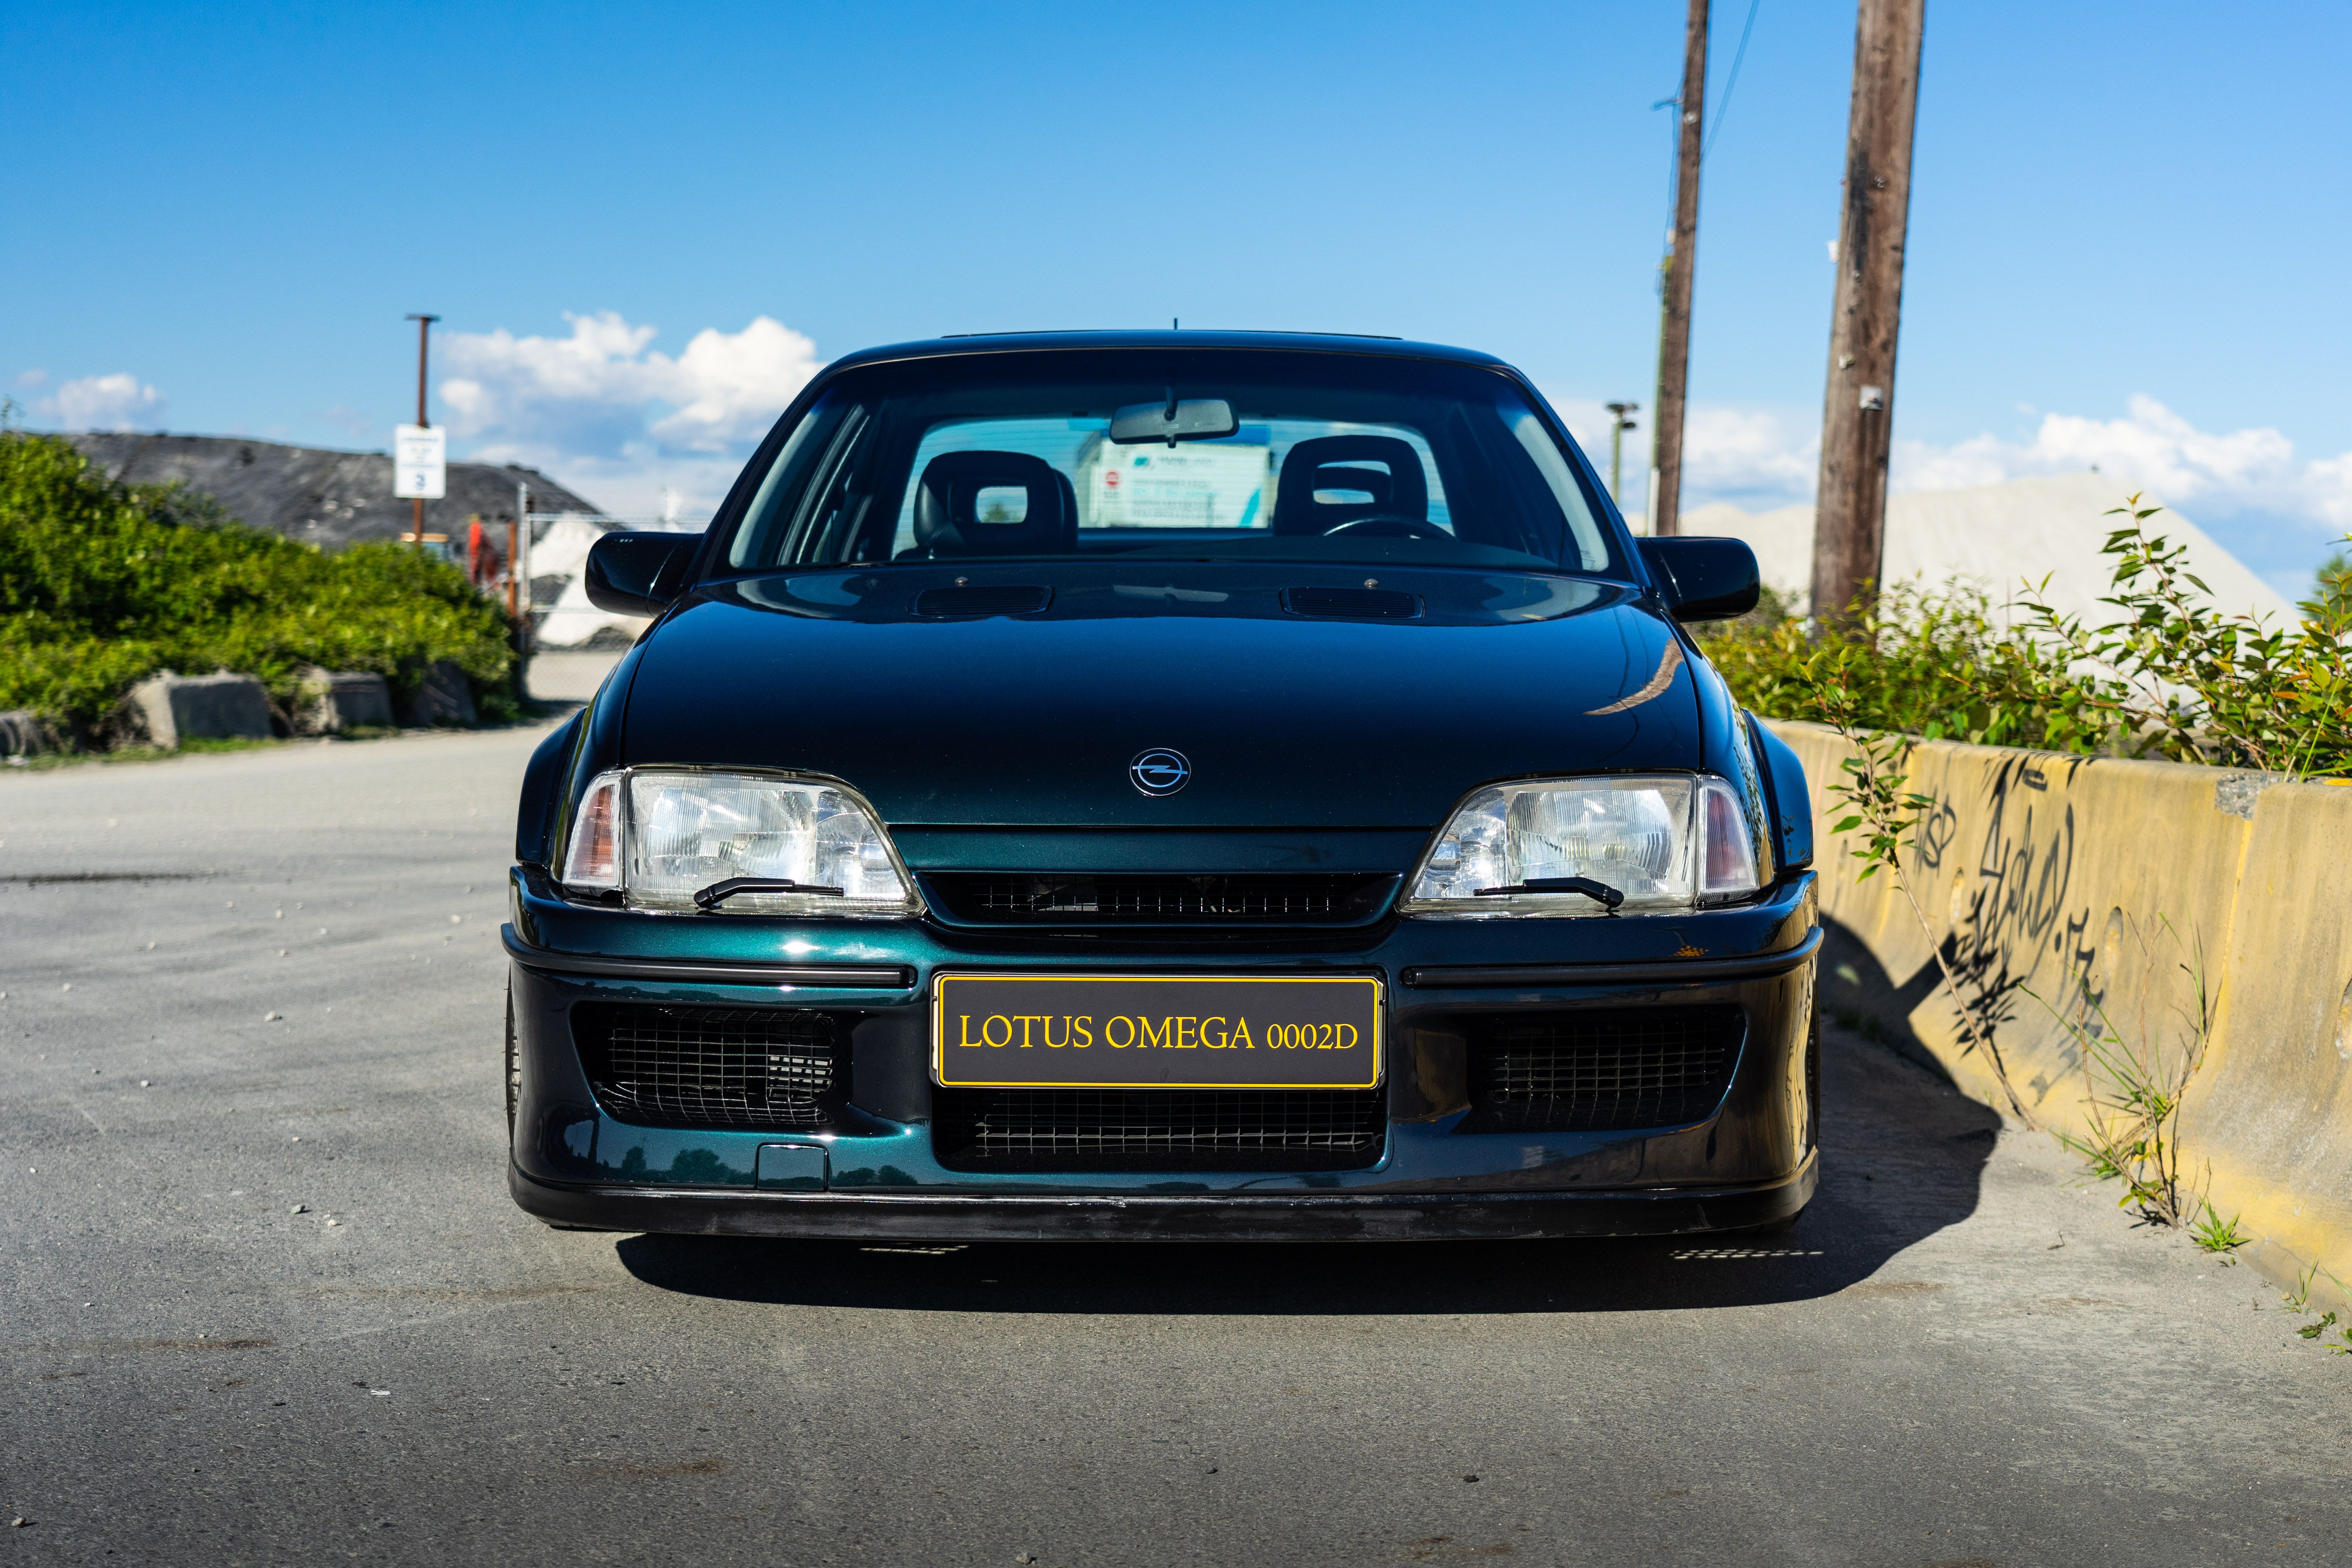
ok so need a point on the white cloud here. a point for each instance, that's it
(117, 402)
(2252, 469)
(1743, 454)
(603, 410)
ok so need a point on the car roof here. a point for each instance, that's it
(961, 345)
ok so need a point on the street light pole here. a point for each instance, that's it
(1618, 426)
(424, 326)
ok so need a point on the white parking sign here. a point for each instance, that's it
(420, 462)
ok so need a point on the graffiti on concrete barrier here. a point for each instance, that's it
(2013, 909)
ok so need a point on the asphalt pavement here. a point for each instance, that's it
(263, 1297)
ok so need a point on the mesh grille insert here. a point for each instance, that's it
(1603, 1071)
(1157, 1129)
(989, 898)
(708, 1067)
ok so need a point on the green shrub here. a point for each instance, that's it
(101, 586)
(1914, 656)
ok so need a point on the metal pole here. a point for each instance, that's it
(1618, 426)
(1680, 264)
(416, 514)
(522, 568)
(1858, 407)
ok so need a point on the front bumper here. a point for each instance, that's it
(1371, 1216)
(1751, 1161)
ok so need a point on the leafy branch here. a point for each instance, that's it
(1888, 815)
(2202, 686)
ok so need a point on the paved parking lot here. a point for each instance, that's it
(265, 1299)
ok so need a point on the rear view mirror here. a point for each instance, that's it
(638, 573)
(1191, 419)
(1703, 579)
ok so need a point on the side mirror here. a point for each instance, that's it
(1703, 579)
(638, 573)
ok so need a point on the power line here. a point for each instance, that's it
(1731, 81)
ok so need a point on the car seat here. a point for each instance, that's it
(1327, 463)
(947, 507)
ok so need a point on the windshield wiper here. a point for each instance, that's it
(717, 893)
(1601, 893)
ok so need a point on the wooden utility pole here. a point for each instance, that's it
(1680, 266)
(1858, 409)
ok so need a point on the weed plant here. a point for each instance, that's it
(2134, 1089)
(2215, 1234)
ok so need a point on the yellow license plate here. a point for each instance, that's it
(1153, 1031)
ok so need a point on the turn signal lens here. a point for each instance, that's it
(1664, 842)
(593, 859)
(1728, 847)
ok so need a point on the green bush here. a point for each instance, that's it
(101, 586)
(2167, 677)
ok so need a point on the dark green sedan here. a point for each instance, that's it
(1188, 785)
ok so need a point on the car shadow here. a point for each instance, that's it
(1903, 1155)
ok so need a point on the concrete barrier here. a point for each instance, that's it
(167, 708)
(25, 733)
(2147, 894)
(443, 696)
(329, 702)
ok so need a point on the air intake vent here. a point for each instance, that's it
(1352, 603)
(1602, 1071)
(707, 1067)
(1157, 1129)
(992, 898)
(983, 599)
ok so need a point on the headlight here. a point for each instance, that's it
(1671, 841)
(662, 836)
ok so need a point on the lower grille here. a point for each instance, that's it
(1157, 1129)
(1603, 1071)
(708, 1067)
(989, 897)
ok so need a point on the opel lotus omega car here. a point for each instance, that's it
(1153, 785)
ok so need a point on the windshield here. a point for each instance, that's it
(1200, 454)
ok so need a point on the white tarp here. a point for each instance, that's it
(559, 548)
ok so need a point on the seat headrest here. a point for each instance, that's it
(947, 520)
(1327, 463)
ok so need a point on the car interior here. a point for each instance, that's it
(1038, 468)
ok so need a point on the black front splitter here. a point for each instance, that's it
(1215, 1216)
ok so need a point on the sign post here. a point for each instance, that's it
(425, 478)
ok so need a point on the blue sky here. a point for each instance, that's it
(645, 225)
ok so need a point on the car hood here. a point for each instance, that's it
(1288, 721)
